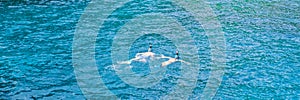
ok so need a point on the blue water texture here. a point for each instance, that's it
(262, 49)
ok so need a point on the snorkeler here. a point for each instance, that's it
(176, 56)
(142, 57)
(149, 55)
(170, 61)
(150, 47)
(146, 55)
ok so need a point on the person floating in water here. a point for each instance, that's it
(149, 55)
(146, 56)
(142, 57)
(150, 47)
(172, 60)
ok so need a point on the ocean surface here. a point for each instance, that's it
(262, 50)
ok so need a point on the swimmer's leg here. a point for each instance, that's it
(128, 61)
(162, 57)
(164, 64)
(185, 62)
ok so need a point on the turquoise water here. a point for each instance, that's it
(262, 48)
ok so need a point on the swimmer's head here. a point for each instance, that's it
(150, 47)
(177, 55)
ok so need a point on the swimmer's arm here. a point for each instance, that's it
(138, 54)
(163, 56)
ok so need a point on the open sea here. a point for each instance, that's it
(38, 60)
